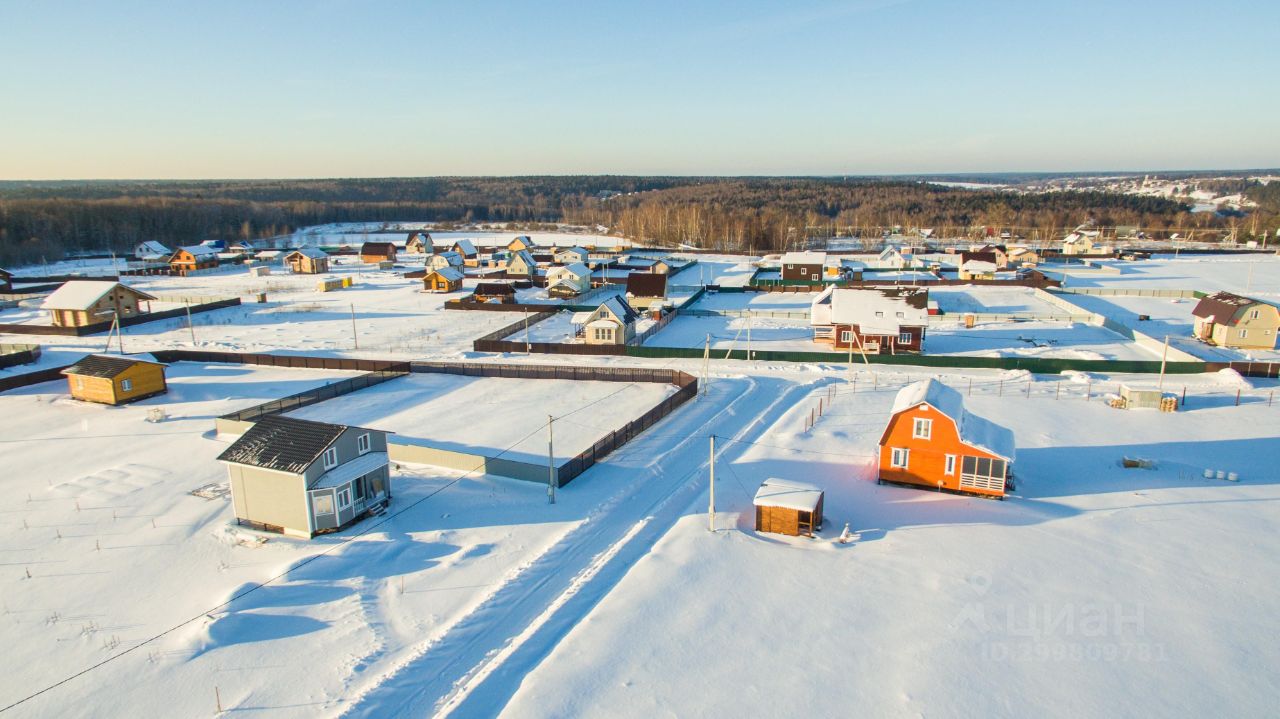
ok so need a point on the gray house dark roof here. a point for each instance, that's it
(283, 443)
(103, 365)
(494, 288)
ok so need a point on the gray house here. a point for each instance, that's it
(301, 478)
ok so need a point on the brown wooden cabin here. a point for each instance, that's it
(446, 279)
(500, 293)
(787, 507)
(115, 380)
(85, 302)
(307, 261)
(194, 258)
(374, 252)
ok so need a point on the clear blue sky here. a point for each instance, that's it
(345, 88)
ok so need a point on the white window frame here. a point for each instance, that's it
(950, 465)
(1244, 333)
(899, 457)
(846, 336)
(920, 423)
(344, 497)
(330, 458)
(126, 385)
(363, 443)
(904, 338)
(879, 313)
(1255, 314)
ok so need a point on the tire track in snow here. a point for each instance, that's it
(480, 661)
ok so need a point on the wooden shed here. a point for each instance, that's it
(307, 261)
(501, 293)
(419, 243)
(787, 507)
(115, 380)
(374, 252)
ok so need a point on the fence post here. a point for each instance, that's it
(970, 386)
(1184, 396)
(1237, 398)
(1028, 389)
(1057, 390)
(1000, 389)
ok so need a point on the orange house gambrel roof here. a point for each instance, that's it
(973, 430)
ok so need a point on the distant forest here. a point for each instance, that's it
(48, 220)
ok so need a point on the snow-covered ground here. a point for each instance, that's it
(1107, 590)
(757, 301)
(1072, 340)
(1255, 274)
(767, 333)
(348, 235)
(727, 270)
(991, 300)
(488, 415)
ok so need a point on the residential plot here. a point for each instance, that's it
(765, 333)
(797, 302)
(991, 300)
(1072, 340)
(1253, 274)
(488, 415)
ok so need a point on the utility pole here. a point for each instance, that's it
(551, 464)
(528, 349)
(190, 325)
(749, 333)
(355, 339)
(1163, 358)
(706, 365)
(711, 508)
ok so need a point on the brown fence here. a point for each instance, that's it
(29, 378)
(586, 459)
(13, 355)
(97, 327)
(1248, 369)
(315, 396)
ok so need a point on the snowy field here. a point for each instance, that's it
(757, 301)
(1032, 339)
(727, 270)
(488, 415)
(348, 235)
(1096, 588)
(991, 300)
(767, 333)
(1255, 274)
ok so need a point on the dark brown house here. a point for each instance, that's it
(805, 266)
(500, 293)
(644, 288)
(374, 252)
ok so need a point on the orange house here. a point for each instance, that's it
(932, 441)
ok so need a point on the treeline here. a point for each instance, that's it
(46, 220)
(778, 214)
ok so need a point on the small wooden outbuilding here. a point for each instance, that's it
(6, 280)
(307, 261)
(446, 279)
(374, 252)
(115, 380)
(787, 507)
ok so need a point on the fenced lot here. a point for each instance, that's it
(488, 415)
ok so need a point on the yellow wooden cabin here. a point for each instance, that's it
(85, 302)
(115, 380)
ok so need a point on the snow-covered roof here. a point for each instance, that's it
(579, 318)
(804, 258)
(83, 294)
(574, 250)
(788, 494)
(602, 324)
(448, 273)
(576, 269)
(200, 250)
(978, 266)
(344, 473)
(618, 308)
(877, 310)
(465, 247)
(974, 430)
(153, 247)
(313, 253)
